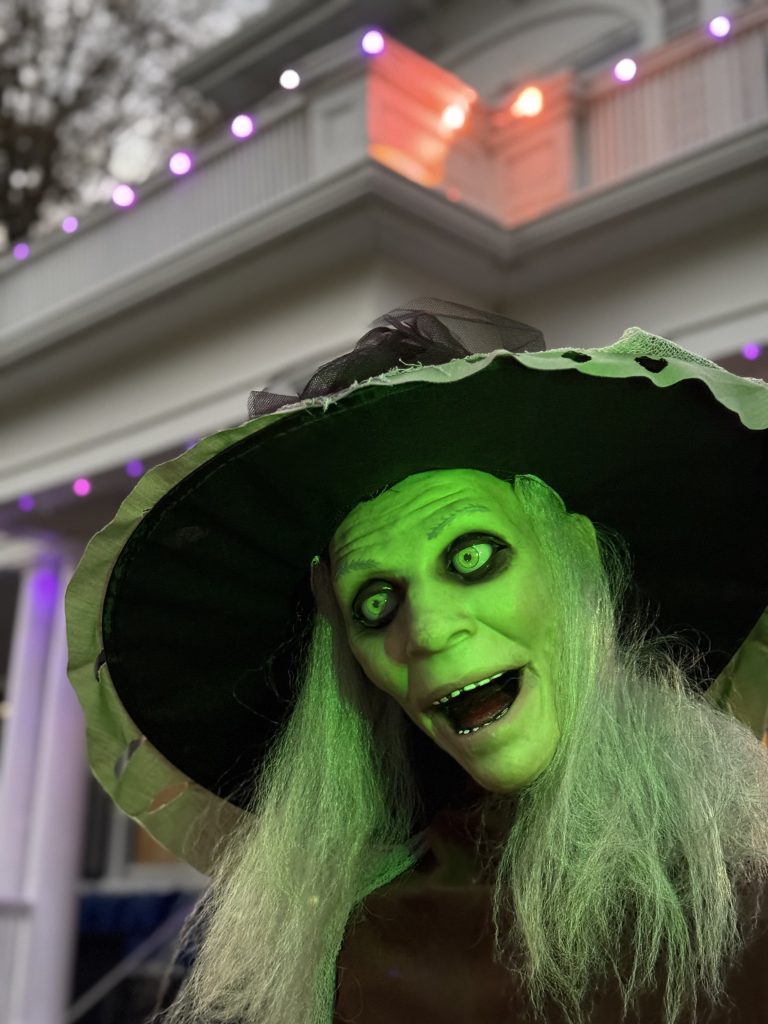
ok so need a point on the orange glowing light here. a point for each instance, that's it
(529, 103)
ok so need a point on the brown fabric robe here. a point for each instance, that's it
(422, 955)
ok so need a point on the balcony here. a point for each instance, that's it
(685, 143)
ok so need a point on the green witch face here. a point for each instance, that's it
(440, 585)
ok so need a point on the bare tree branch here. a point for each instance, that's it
(72, 76)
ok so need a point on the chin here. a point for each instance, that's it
(499, 786)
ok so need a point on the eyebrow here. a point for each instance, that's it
(351, 564)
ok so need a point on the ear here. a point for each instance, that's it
(349, 673)
(742, 686)
(322, 590)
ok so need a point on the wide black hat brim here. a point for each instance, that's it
(204, 607)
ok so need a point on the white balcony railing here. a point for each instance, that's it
(688, 95)
(691, 93)
(171, 220)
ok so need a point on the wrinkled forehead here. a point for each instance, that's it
(423, 500)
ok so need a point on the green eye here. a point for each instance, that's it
(469, 556)
(370, 608)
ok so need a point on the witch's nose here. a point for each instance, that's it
(431, 627)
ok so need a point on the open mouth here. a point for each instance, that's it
(476, 709)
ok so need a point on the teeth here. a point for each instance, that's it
(464, 689)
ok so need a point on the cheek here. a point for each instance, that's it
(530, 607)
(368, 663)
(374, 666)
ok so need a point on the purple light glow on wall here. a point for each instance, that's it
(81, 487)
(372, 42)
(751, 351)
(180, 163)
(26, 503)
(45, 588)
(242, 126)
(134, 468)
(123, 196)
(719, 27)
(20, 251)
(69, 225)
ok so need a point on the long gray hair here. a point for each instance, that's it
(650, 822)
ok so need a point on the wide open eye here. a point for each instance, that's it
(473, 553)
(370, 608)
(470, 556)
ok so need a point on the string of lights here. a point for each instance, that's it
(528, 103)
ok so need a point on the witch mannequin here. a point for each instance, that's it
(452, 674)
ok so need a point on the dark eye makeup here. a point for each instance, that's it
(488, 570)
